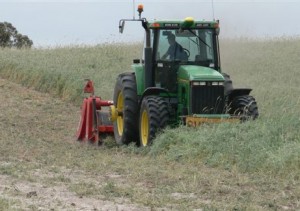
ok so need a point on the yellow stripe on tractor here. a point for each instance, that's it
(193, 121)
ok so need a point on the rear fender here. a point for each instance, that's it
(238, 92)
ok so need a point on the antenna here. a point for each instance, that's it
(133, 2)
(213, 9)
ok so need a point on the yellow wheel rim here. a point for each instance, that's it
(145, 128)
(120, 106)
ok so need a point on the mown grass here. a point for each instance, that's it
(6, 204)
(264, 149)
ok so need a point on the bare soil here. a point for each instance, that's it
(28, 116)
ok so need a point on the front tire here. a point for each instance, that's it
(154, 116)
(245, 107)
(126, 103)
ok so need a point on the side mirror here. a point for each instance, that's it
(121, 26)
(217, 31)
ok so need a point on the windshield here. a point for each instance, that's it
(191, 45)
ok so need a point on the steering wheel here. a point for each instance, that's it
(187, 52)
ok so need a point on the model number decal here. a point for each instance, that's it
(171, 24)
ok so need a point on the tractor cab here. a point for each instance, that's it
(174, 45)
(190, 46)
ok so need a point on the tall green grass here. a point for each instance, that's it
(261, 146)
(269, 144)
(62, 71)
(271, 67)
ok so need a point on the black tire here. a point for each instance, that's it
(245, 107)
(154, 116)
(126, 125)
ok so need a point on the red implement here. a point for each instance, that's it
(94, 123)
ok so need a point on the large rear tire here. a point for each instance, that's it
(245, 107)
(126, 103)
(154, 116)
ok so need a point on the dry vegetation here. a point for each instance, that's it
(251, 166)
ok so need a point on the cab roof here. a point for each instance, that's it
(186, 23)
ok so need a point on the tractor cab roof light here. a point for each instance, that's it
(140, 9)
(155, 25)
(217, 26)
(188, 22)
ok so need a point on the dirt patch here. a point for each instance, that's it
(35, 120)
(42, 197)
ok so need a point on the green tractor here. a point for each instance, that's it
(178, 81)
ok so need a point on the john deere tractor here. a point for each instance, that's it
(171, 85)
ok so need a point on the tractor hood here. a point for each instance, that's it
(198, 73)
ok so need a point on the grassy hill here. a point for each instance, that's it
(61, 71)
(267, 149)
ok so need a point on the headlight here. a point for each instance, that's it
(204, 83)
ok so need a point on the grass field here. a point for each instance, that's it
(62, 71)
(250, 166)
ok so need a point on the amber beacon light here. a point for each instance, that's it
(140, 9)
